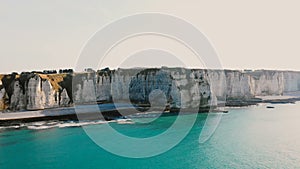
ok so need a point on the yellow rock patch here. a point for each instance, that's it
(54, 79)
(1, 76)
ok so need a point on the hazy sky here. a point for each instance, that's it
(37, 35)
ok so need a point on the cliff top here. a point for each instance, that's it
(53, 73)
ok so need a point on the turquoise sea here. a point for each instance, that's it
(251, 137)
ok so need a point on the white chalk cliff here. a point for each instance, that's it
(182, 88)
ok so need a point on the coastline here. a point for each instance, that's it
(86, 112)
(110, 111)
(35, 96)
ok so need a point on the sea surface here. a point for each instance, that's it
(250, 137)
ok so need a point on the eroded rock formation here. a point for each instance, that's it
(181, 88)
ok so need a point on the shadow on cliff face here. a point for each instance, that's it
(13, 82)
(7, 82)
(151, 82)
(169, 90)
(67, 84)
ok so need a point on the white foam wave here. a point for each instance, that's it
(40, 127)
(124, 121)
(11, 127)
(43, 125)
(79, 124)
(153, 114)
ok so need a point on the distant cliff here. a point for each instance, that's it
(181, 88)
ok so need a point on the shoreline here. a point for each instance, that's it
(110, 111)
(51, 95)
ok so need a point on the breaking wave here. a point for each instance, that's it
(43, 125)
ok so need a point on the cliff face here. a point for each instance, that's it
(176, 87)
(31, 91)
(248, 84)
(181, 88)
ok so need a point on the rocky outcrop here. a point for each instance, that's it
(33, 91)
(174, 87)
